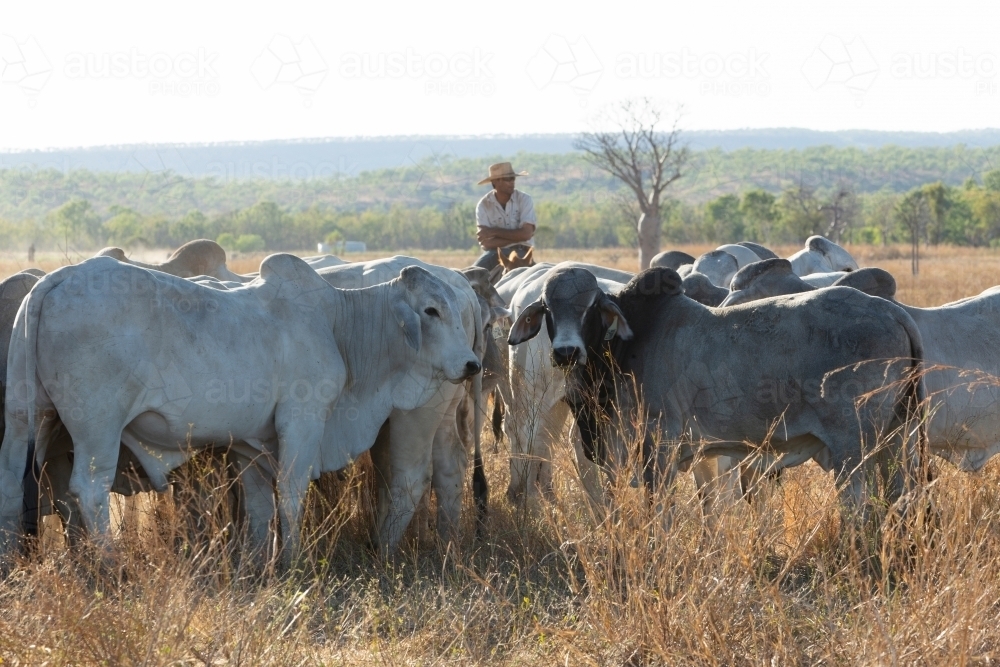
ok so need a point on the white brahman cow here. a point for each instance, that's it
(162, 365)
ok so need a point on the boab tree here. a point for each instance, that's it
(633, 147)
(842, 210)
(913, 215)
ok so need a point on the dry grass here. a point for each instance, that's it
(769, 586)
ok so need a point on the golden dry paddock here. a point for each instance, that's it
(553, 587)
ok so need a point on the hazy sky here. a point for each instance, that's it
(99, 73)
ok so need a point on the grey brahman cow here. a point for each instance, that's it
(830, 375)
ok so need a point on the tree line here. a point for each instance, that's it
(76, 226)
(932, 213)
(163, 212)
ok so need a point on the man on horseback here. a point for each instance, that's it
(505, 217)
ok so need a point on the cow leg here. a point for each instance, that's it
(536, 390)
(465, 418)
(759, 477)
(717, 479)
(256, 502)
(423, 524)
(659, 473)
(297, 443)
(58, 470)
(886, 465)
(550, 433)
(531, 462)
(450, 463)
(855, 507)
(590, 474)
(402, 457)
(15, 457)
(293, 483)
(93, 474)
(96, 446)
(553, 426)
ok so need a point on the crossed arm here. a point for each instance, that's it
(491, 238)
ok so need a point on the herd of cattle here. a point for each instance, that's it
(731, 364)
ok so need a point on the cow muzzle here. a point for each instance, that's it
(567, 356)
(468, 370)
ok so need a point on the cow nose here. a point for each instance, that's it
(472, 367)
(565, 356)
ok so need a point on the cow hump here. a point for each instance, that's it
(659, 281)
(288, 277)
(114, 252)
(205, 250)
(751, 272)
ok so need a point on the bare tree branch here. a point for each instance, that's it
(633, 148)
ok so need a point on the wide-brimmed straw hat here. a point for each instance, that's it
(500, 170)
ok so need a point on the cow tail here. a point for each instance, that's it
(32, 471)
(480, 487)
(497, 421)
(917, 403)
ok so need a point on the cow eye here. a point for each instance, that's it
(432, 311)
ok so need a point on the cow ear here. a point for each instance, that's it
(613, 320)
(528, 324)
(409, 321)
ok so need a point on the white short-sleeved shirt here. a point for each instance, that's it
(519, 211)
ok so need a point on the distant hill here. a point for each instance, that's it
(307, 159)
